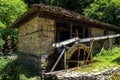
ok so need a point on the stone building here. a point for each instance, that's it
(43, 25)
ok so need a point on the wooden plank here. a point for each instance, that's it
(75, 61)
(78, 34)
(83, 32)
(110, 43)
(70, 30)
(77, 39)
(62, 28)
(65, 60)
(102, 48)
(78, 55)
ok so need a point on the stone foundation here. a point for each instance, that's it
(76, 75)
(30, 60)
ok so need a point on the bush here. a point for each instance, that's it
(1, 44)
(14, 70)
(10, 10)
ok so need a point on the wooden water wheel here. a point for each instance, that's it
(66, 54)
(81, 52)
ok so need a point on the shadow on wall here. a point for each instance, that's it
(17, 71)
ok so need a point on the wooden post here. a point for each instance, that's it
(57, 60)
(102, 47)
(65, 59)
(110, 43)
(78, 55)
(89, 51)
(67, 65)
(84, 53)
(83, 32)
(70, 30)
(91, 45)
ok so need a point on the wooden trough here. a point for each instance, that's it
(68, 52)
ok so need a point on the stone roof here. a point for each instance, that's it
(59, 12)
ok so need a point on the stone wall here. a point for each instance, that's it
(114, 39)
(110, 42)
(35, 38)
(96, 32)
(97, 44)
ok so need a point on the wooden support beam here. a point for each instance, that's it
(62, 28)
(65, 60)
(78, 55)
(110, 43)
(102, 48)
(58, 60)
(70, 30)
(83, 32)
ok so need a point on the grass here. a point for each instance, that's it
(108, 59)
(13, 70)
(3, 63)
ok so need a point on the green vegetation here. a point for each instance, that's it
(77, 5)
(108, 59)
(104, 10)
(13, 70)
(10, 10)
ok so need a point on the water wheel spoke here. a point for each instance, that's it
(79, 53)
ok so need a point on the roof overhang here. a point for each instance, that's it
(58, 12)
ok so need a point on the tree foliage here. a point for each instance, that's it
(74, 5)
(2, 27)
(104, 10)
(10, 10)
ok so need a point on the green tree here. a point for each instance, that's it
(76, 5)
(104, 10)
(73, 5)
(10, 10)
(30, 2)
(2, 28)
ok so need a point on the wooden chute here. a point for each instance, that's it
(77, 39)
(77, 46)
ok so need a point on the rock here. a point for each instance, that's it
(68, 75)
